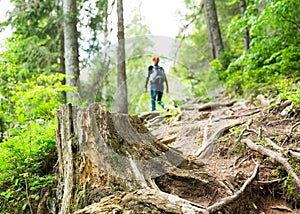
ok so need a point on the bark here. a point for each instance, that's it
(104, 151)
(213, 28)
(246, 34)
(62, 64)
(156, 202)
(71, 46)
(122, 101)
(112, 162)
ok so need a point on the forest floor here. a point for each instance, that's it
(221, 137)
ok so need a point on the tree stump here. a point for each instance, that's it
(101, 153)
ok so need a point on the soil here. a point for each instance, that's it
(226, 159)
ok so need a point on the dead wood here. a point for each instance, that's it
(225, 201)
(276, 156)
(102, 150)
(134, 202)
(211, 106)
(209, 145)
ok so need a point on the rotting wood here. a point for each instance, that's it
(158, 200)
(104, 151)
(276, 156)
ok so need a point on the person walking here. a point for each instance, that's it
(157, 77)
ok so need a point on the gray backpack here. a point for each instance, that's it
(157, 76)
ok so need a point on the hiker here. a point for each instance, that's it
(157, 77)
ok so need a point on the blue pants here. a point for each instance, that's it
(156, 95)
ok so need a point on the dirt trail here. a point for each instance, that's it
(210, 136)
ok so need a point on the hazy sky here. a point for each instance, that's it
(5, 5)
(160, 15)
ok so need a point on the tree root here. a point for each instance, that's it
(225, 201)
(275, 146)
(290, 132)
(243, 115)
(210, 106)
(208, 145)
(155, 199)
(276, 156)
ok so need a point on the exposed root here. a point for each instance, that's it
(210, 106)
(243, 115)
(275, 146)
(290, 132)
(276, 156)
(208, 146)
(225, 201)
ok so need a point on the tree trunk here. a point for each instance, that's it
(71, 46)
(246, 34)
(62, 64)
(214, 32)
(122, 103)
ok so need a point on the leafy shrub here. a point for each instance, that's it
(26, 162)
(28, 151)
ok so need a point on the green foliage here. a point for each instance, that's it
(33, 99)
(194, 55)
(290, 90)
(28, 151)
(39, 97)
(26, 159)
(274, 50)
